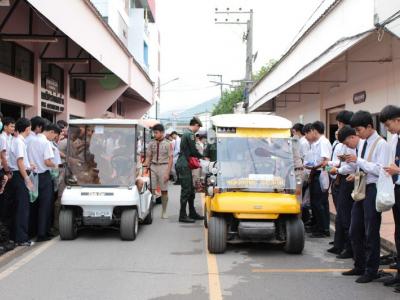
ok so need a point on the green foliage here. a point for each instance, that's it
(232, 97)
(228, 101)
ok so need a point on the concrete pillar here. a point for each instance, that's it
(65, 114)
(36, 110)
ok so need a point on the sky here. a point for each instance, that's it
(192, 45)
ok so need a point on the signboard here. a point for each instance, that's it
(51, 85)
(359, 97)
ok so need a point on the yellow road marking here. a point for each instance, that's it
(214, 285)
(307, 270)
(26, 259)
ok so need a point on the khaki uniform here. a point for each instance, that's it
(159, 153)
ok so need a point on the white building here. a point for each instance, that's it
(347, 58)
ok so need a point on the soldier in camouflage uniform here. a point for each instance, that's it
(188, 149)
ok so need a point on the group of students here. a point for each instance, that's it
(359, 149)
(30, 162)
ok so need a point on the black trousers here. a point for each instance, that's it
(364, 232)
(188, 193)
(396, 216)
(335, 189)
(45, 204)
(19, 192)
(344, 206)
(319, 205)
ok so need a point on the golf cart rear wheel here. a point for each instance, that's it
(129, 224)
(217, 233)
(205, 216)
(67, 225)
(294, 235)
(149, 218)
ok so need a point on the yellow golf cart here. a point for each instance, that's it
(251, 190)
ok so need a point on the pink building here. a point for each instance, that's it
(61, 60)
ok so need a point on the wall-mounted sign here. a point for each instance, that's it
(51, 85)
(359, 97)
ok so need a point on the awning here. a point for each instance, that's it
(308, 69)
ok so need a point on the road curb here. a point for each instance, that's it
(385, 244)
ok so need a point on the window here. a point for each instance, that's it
(78, 89)
(54, 72)
(16, 61)
(23, 64)
(6, 57)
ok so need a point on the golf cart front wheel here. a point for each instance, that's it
(129, 224)
(67, 225)
(294, 235)
(217, 235)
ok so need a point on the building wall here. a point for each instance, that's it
(16, 90)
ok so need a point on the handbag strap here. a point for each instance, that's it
(371, 152)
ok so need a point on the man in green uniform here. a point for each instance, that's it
(188, 149)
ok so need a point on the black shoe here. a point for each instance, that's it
(43, 239)
(186, 219)
(353, 272)
(331, 243)
(317, 235)
(397, 289)
(327, 233)
(196, 216)
(391, 281)
(334, 250)
(394, 266)
(9, 246)
(28, 243)
(366, 278)
(345, 255)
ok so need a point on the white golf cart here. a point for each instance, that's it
(103, 186)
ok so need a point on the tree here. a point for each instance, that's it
(230, 98)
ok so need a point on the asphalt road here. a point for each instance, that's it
(169, 260)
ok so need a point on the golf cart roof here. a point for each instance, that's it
(251, 121)
(105, 122)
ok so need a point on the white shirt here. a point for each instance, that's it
(379, 159)
(39, 150)
(4, 145)
(349, 168)
(321, 149)
(393, 146)
(18, 150)
(337, 150)
(57, 157)
(177, 146)
(304, 146)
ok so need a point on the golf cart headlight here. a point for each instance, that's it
(214, 171)
(210, 191)
(212, 180)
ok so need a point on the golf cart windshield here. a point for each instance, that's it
(101, 155)
(256, 164)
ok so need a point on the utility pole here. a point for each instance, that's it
(248, 37)
(219, 83)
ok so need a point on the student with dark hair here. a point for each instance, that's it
(320, 153)
(159, 160)
(297, 132)
(41, 154)
(365, 220)
(343, 118)
(21, 184)
(188, 149)
(390, 117)
(345, 172)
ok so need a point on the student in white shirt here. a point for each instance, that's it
(6, 203)
(320, 153)
(41, 154)
(20, 182)
(390, 117)
(365, 220)
(304, 145)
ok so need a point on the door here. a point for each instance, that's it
(331, 126)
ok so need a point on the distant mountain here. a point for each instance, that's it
(207, 106)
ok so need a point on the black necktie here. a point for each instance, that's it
(397, 160)
(364, 149)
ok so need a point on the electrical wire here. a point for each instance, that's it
(189, 89)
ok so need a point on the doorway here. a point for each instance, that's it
(331, 126)
(11, 110)
(51, 116)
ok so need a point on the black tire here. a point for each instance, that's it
(295, 236)
(205, 216)
(149, 218)
(217, 233)
(67, 225)
(129, 224)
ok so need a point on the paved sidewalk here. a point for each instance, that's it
(387, 228)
